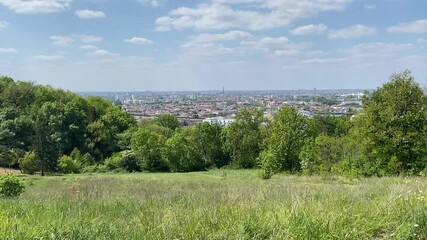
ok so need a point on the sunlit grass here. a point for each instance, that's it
(220, 204)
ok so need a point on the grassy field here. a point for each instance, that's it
(215, 205)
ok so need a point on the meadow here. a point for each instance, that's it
(218, 204)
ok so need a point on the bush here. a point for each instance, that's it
(86, 160)
(270, 165)
(123, 160)
(30, 163)
(10, 186)
(68, 165)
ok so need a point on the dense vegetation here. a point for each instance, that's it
(43, 129)
(216, 204)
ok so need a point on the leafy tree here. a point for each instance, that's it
(68, 165)
(328, 125)
(30, 163)
(48, 140)
(97, 106)
(181, 153)
(100, 141)
(322, 155)
(152, 125)
(243, 138)
(287, 137)
(147, 147)
(393, 126)
(168, 121)
(108, 134)
(208, 142)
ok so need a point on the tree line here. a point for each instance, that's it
(48, 130)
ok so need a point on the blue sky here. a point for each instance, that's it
(89, 45)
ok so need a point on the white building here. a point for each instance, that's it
(219, 120)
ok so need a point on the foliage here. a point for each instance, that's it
(393, 123)
(269, 166)
(207, 140)
(288, 132)
(181, 154)
(168, 121)
(30, 163)
(68, 165)
(125, 160)
(10, 186)
(243, 138)
(147, 147)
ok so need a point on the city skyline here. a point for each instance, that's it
(161, 45)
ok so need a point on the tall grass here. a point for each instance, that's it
(215, 205)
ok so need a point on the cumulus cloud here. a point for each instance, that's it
(419, 26)
(153, 3)
(88, 47)
(102, 53)
(8, 50)
(49, 58)
(36, 6)
(352, 32)
(61, 40)
(89, 38)
(267, 14)
(87, 14)
(311, 29)
(369, 7)
(3, 24)
(228, 36)
(376, 49)
(138, 40)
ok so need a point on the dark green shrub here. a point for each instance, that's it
(10, 186)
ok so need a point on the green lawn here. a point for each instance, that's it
(215, 205)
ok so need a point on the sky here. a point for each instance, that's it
(175, 45)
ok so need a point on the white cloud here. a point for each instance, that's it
(286, 52)
(87, 14)
(8, 50)
(421, 40)
(49, 58)
(228, 36)
(61, 40)
(419, 26)
(369, 7)
(88, 47)
(267, 14)
(102, 53)
(138, 40)
(311, 29)
(89, 38)
(3, 24)
(324, 60)
(376, 50)
(154, 3)
(36, 6)
(352, 32)
(239, 44)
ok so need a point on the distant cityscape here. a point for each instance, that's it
(221, 106)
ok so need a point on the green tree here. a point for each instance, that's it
(208, 142)
(286, 139)
(168, 121)
(30, 163)
(393, 125)
(181, 153)
(243, 138)
(147, 147)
